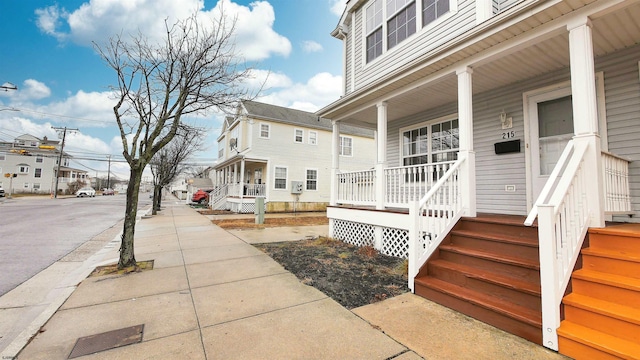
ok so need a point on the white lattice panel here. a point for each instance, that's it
(353, 233)
(248, 208)
(395, 242)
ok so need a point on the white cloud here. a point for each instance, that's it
(311, 46)
(338, 6)
(30, 90)
(98, 20)
(317, 92)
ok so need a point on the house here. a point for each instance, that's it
(508, 133)
(284, 156)
(34, 161)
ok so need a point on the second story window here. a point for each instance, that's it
(298, 135)
(37, 173)
(401, 21)
(23, 168)
(313, 137)
(264, 131)
(346, 146)
(38, 158)
(433, 9)
(374, 30)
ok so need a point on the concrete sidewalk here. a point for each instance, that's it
(211, 295)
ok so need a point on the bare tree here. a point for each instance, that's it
(168, 163)
(195, 68)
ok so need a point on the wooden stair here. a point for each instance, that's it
(488, 268)
(602, 314)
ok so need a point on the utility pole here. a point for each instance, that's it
(109, 173)
(64, 135)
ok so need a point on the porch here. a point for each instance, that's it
(238, 182)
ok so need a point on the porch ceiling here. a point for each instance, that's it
(435, 84)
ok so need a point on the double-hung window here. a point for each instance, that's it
(298, 135)
(37, 173)
(264, 131)
(430, 143)
(312, 179)
(373, 15)
(346, 146)
(280, 178)
(39, 158)
(401, 23)
(313, 137)
(433, 9)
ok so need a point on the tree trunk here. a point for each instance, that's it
(156, 199)
(160, 198)
(127, 256)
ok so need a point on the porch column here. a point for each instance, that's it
(242, 178)
(585, 112)
(465, 123)
(335, 162)
(381, 147)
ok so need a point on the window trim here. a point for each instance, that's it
(268, 130)
(36, 174)
(341, 152)
(23, 168)
(295, 135)
(39, 158)
(306, 179)
(426, 123)
(315, 139)
(286, 179)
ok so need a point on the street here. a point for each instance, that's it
(35, 232)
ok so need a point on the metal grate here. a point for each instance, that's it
(395, 242)
(107, 340)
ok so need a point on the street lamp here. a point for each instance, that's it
(8, 86)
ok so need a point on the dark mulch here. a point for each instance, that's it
(350, 275)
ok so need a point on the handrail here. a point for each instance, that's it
(563, 220)
(549, 185)
(432, 217)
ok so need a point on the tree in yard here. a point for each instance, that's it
(194, 69)
(168, 163)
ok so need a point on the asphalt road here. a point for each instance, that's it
(38, 231)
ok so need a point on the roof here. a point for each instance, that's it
(258, 110)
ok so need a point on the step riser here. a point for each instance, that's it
(605, 292)
(528, 233)
(611, 266)
(526, 252)
(522, 273)
(505, 293)
(490, 317)
(579, 351)
(608, 325)
(612, 242)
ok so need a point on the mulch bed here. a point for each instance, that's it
(350, 275)
(271, 222)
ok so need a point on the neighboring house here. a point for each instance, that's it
(507, 132)
(195, 184)
(35, 163)
(283, 155)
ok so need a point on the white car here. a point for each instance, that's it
(86, 192)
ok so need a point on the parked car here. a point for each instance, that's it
(108, 192)
(201, 196)
(86, 192)
(1, 192)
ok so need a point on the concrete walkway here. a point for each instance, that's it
(212, 295)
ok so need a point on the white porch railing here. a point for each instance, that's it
(411, 183)
(357, 187)
(255, 190)
(218, 197)
(433, 217)
(616, 181)
(563, 220)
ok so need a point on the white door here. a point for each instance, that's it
(551, 128)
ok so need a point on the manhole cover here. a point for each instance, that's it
(107, 340)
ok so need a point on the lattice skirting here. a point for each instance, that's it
(243, 208)
(395, 242)
(354, 233)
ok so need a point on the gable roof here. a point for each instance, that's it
(268, 112)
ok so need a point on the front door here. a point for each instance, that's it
(551, 128)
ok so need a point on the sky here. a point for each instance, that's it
(47, 53)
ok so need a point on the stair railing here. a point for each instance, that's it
(218, 197)
(433, 217)
(563, 220)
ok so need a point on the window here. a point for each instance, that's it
(374, 30)
(23, 169)
(36, 186)
(402, 23)
(280, 180)
(25, 185)
(312, 179)
(265, 130)
(298, 134)
(431, 143)
(220, 150)
(38, 158)
(2, 157)
(433, 9)
(313, 138)
(37, 173)
(346, 146)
